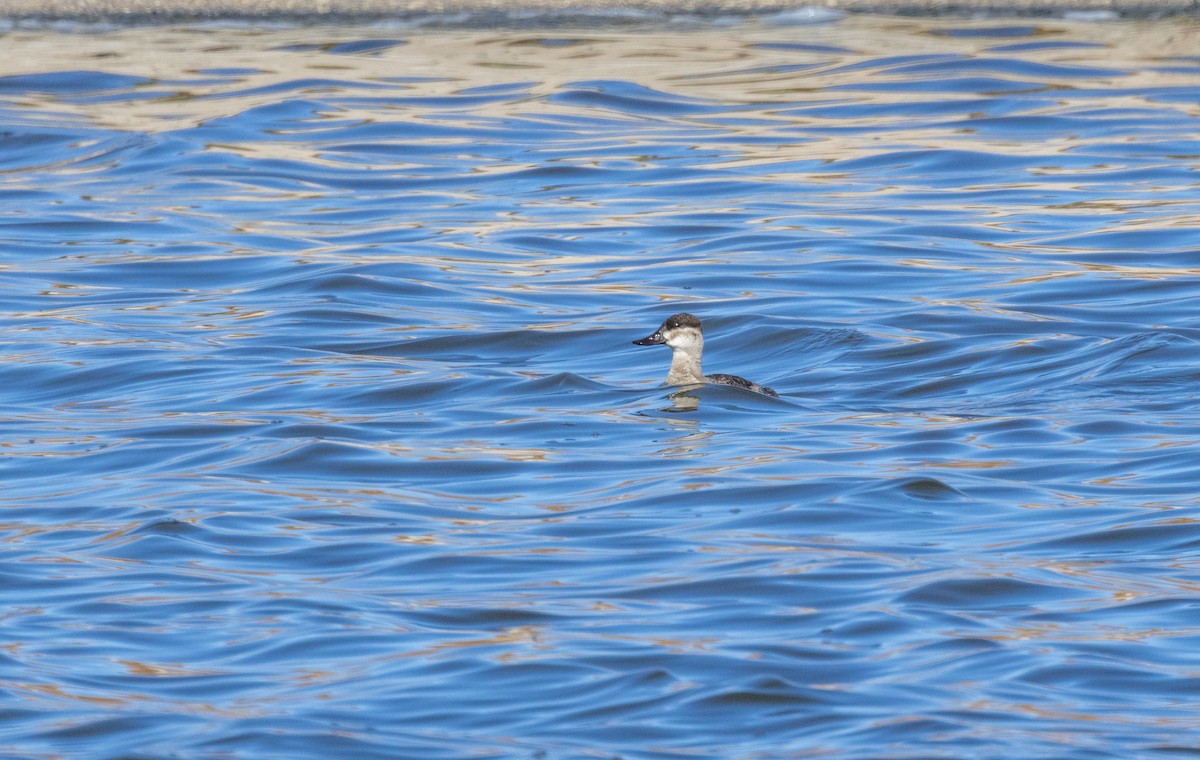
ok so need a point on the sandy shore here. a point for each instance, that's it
(117, 10)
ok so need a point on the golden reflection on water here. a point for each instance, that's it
(733, 66)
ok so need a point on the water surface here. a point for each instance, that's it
(323, 435)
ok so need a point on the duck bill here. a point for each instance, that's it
(651, 340)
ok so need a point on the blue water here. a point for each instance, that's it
(324, 436)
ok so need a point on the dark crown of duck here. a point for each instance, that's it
(672, 323)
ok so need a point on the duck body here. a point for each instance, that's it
(683, 334)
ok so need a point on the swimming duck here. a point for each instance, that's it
(682, 333)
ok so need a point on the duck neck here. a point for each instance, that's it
(685, 366)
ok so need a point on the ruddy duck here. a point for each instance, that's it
(683, 334)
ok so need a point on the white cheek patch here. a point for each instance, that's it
(681, 339)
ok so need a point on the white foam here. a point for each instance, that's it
(1098, 15)
(802, 16)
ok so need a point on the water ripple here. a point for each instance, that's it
(324, 432)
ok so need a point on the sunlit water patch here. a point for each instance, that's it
(324, 434)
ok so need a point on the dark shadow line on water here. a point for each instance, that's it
(691, 399)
